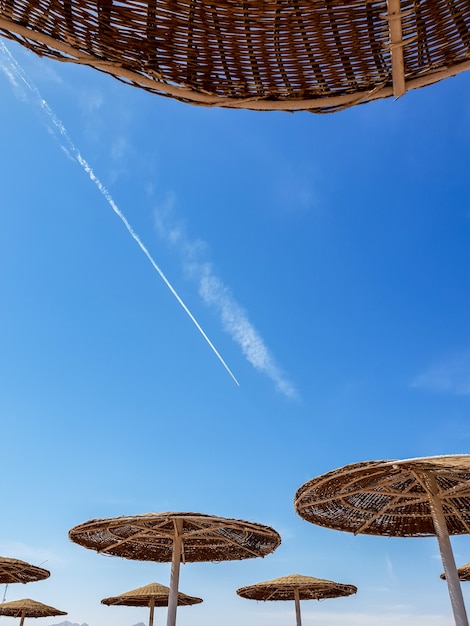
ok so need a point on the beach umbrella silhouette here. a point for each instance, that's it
(150, 595)
(296, 587)
(463, 571)
(420, 497)
(28, 608)
(289, 55)
(16, 571)
(175, 538)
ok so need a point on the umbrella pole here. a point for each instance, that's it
(175, 574)
(297, 607)
(23, 615)
(152, 607)
(447, 556)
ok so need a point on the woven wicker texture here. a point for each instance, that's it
(285, 588)
(463, 572)
(143, 596)
(150, 537)
(15, 571)
(28, 608)
(389, 497)
(313, 55)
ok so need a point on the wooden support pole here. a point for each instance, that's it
(297, 607)
(175, 574)
(450, 569)
(396, 47)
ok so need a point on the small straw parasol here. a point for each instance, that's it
(150, 595)
(286, 55)
(463, 572)
(16, 571)
(296, 587)
(28, 608)
(421, 497)
(176, 538)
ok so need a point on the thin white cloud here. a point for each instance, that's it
(217, 295)
(450, 375)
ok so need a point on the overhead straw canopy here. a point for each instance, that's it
(16, 571)
(260, 54)
(176, 537)
(28, 608)
(151, 536)
(296, 587)
(144, 596)
(410, 498)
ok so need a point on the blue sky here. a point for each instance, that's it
(307, 308)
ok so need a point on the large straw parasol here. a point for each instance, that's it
(420, 497)
(16, 571)
(150, 595)
(296, 587)
(176, 537)
(28, 608)
(281, 54)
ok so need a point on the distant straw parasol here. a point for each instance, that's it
(16, 571)
(296, 587)
(463, 572)
(421, 497)
(150, 595)
(281, 55)
(176, 537)
(28, 608)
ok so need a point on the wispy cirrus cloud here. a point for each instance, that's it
(450, 375)
(217, 296)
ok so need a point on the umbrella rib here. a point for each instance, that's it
(137, 534)
(382, 511)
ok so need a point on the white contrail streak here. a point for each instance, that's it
(16, 72)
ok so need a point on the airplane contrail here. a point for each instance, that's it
(73, 150)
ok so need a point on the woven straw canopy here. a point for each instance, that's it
(16, 571)
(410, 498)
(463, 572)
(150, 537)
(28, 608)
(389, 497)
(287, 587)
(152, 593)
(258, 54)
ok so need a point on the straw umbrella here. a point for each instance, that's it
(296, 587)
(28, 608)
(463, 572)
(16, 571)
(421, 497)
(150, 595)
(176, 538)
(293, 55)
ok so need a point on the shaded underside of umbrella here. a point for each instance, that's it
(151, 537)
(296, 587)
(148, 594)
(308, 55)
(28, 608)
(288, 587)
(389, 497)
(463, 572)
(421, 497)
(16, 571)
